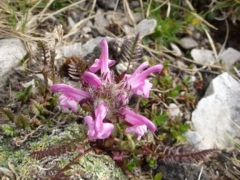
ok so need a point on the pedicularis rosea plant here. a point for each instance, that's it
(113, 127)
(108, 99)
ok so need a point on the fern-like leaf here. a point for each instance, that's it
(8, 130)
(185, 154)
(38, 109)
(23, 121)
(55, 150)
(131, 50)
(44, 52)
(74, 67)
(8, 114)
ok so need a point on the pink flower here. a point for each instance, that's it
(137, 119)
(138, 82)
(92, 79)
(138, 130)
(103, 62)
(66, 103)
(70, 96)
(107, 98)
(96, 128)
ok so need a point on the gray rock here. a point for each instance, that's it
(107, 4)
(134, 4)
(127, 29)
(188, 43)
(138, 17)
(176, 49)
(146, 27)
(229, 57)
(217, 114)
(100, 19)
(79, 49)
(12, 51)
(70, 50)
(193, 137)
(174, 110)
(71, 22)
(203, 56)
(101, 22)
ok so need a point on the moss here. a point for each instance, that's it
(90, 165)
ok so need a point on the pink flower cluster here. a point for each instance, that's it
(109, 99)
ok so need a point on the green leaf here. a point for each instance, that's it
(175, 134)
(175, 92)
(184, 127)
(23, 96)
(151, 162)
(166, 64)
(160, 120)
(22, 121)
(8, 130)
(186, 80)
(132, 164)
(8, 114)
(144, 102)
(158, 176)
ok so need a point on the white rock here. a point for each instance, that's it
(127, 29)
(229, 57)
(134, 4)
(138, 17)
(173, 110)
(188, 43)
(100, 20)
(193, 137)
(79, 49)
(123, 66)
(86, 30)
(41, 77)
(218, 112)
(32, 82)
(70, 50)
(12, 51)
(203, 56)
(176, 49)
(146, 27)
(27, 84)
(89, 46)
(71, 22)
(181, 64)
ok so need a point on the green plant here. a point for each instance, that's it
(24, 96)
(229, 9)
(166, 31)
(8, 130)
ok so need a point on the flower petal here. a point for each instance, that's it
(95, 66)
(98, 129)
(138, 130)
(90, 123)
(100, 114)
(65, 103)
(140, 68)
(105, 131)
(137, 119)
(91, 79)
(70, 92)
(143, 89)
(103, 62)
(138, 83)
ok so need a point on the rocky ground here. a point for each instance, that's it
(209, 59)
